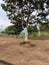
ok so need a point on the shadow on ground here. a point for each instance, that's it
(2, 62)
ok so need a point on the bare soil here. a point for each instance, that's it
(13, 51)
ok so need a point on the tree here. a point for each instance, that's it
(45, 27)
(9, 30)
(32, 29)
(28, 12)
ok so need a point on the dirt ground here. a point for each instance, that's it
(14, 52)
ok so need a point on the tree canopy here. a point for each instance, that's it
(26, 12)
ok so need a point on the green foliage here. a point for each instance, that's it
(45, 27)
(9, 30)
(18, 27)
(32, 29)
(14, 30)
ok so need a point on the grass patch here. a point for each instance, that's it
(43, 35)
(34, 35)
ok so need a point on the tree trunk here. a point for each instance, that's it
(26, 34)
(26, 38)
(38, 33)
(38, 28)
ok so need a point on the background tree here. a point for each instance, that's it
(9, 30)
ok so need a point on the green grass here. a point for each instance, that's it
(43, 35)
(6, 35)
(34, 35)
